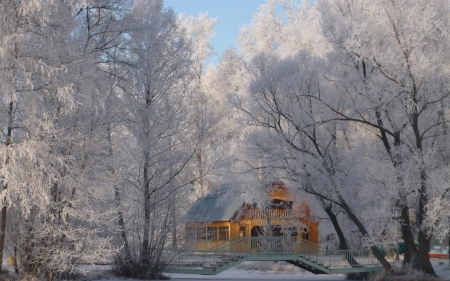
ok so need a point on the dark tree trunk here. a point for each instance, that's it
(123, 234)
(145, 253)
(411, 257)
(362, 229)
(3, 230)
(424, 236)
(424, 248)
(342, 242)
(5, 208)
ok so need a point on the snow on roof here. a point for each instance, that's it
(219, 205)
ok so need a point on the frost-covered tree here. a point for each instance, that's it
(392, 68)
(200, 30)
(376, 90)
(283, 27)
(53, 160)
(154, 162)
(292, 138)
(277, 100)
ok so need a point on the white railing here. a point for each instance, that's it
(274, 214)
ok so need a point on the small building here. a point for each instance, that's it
(219, 217)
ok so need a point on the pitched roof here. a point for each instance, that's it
(219, 205)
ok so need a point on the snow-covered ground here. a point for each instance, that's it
(262, 271)
(247, 275)
(267, 271)
(248, 271)
(442, 267)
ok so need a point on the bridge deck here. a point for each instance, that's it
(294, 250)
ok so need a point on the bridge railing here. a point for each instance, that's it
(273, 248)
(347, 258)
(272, 245)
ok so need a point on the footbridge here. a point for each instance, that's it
(293, 250)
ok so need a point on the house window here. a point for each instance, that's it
(290, 231)
(212, 233)
(191, 234)
(224, 233)
(242, 231)
(305, 234)
(201, 233)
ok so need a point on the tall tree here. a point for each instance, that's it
(292, 138)
(272, 36)
(200, 30)
(397, 54)
(51, 166)
(160, 143)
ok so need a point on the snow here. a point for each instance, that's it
(441, 267)
(251, 271)
(240, 274)
(101, 273)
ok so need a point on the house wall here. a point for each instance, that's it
(206, 244)
(234, 231)
(201, 245)
(282, 193)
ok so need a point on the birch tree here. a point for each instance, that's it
(204, 104)
(161, 144)
(53, 165)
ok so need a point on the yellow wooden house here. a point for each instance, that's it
(219, 217)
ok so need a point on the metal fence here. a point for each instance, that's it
(270, 248)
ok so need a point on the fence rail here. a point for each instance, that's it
(274, 214)
(270, 248)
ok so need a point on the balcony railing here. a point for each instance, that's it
(274, 214)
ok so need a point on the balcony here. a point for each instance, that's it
(274, 214)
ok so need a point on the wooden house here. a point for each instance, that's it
(219, 217)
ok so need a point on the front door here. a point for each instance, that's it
(257, 231)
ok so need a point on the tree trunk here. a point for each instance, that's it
(199, 176)
(411, 257)
(27, 257)
(3, 230)
(424, 237)
(123, 234)
(5, 187)
(354, 218)
(173, 220)
(145, 251)
(342, 242)
(145, 258)
(362, 229)
(16, 268)
(424, 248)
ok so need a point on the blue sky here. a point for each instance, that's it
(232, 14)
